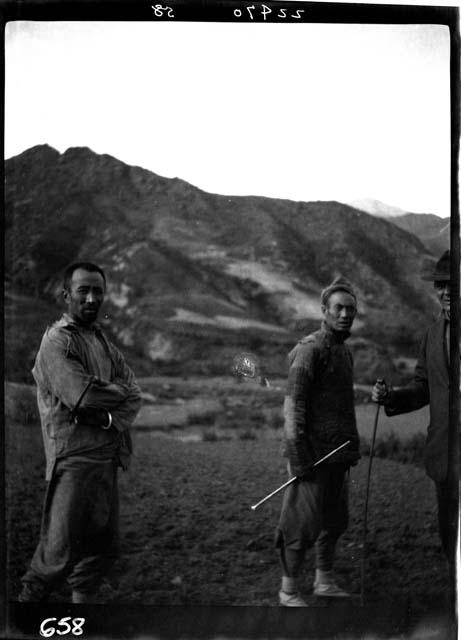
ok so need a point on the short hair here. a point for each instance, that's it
(87, 266)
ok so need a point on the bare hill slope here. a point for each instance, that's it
(195, 276)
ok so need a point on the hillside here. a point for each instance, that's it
(433, 231)
(195, 277)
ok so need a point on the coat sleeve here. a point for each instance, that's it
(124, 414)
(59, 370)
(415, 394)
(296, 430)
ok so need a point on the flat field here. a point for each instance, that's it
(224, 404)
(189, 536)
(404, 426)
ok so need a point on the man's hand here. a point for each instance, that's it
(303, 473)
(93, 418)
(308, 475)
(380, 392)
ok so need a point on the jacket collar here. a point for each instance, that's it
(333, 337)
(68, 322)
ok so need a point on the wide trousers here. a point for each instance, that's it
(314, 512)
(79, 537)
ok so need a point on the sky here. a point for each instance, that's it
(298, 111)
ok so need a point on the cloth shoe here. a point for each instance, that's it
(291, 600)
(326, 586)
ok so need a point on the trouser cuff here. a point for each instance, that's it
(289, 585)
(292, 561)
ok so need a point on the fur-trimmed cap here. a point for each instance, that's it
(338, 284)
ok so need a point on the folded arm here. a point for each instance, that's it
(59, 369)
(124, 414)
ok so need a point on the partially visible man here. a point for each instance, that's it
(87, 398)
(319, 417)
(430, 385)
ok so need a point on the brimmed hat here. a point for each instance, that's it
(441, 270)
(338, 284)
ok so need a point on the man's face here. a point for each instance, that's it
(85, 296)
(442, 288)
(339, 311)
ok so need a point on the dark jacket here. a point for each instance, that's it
(429, 386)
(319, 404)
(62, 369)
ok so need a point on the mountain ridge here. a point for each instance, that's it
(171, 250)
(432, 230)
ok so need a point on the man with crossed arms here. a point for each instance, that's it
(87, 398)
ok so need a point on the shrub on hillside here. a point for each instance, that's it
(248, 434)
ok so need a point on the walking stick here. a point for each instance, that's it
(365, 514)
(285, 484)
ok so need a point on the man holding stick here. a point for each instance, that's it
(430, 385)
(319, 417)
(87, 398)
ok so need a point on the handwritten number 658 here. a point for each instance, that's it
(47, 629)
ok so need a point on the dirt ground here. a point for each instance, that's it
(190, 537)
